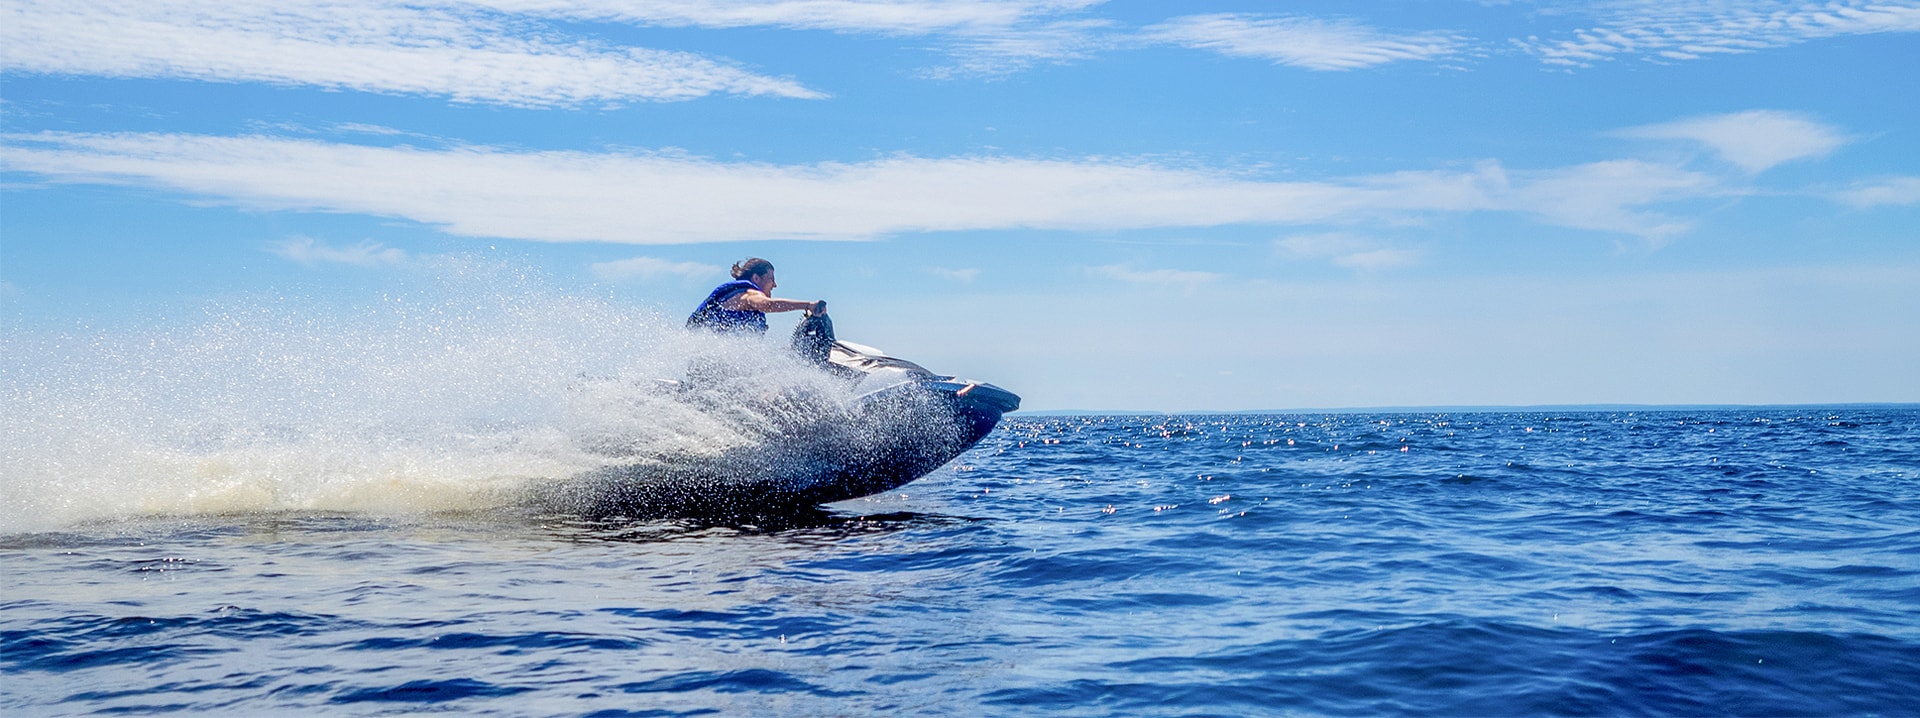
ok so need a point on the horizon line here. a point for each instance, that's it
(1473, 408)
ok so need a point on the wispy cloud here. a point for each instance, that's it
(1311, 43)
(310, 252)
(995, 51)
(1611, 196)
(532, 53)
(653, 268)
(984, 37)
(642, 198)
(1662, 30)
(901, 17)
(363, 128)
(1888, 191)
(994, 37)
(472, 52)
(958, 275)
(1184, 277)
(543, 53)
(1347, 250)
(1755, 140)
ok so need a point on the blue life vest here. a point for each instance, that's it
(711, 315)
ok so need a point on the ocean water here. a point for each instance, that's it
(288, 505)
(1759, 561)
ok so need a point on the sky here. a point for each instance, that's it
(1131, 206)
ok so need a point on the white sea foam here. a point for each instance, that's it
(444, 394)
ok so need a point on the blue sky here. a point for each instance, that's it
(1099, 205)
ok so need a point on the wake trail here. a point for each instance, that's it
(447, 394)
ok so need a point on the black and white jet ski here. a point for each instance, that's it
(903, 422)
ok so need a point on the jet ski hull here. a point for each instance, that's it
(895, 435)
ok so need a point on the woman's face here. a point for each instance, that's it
(764, 281)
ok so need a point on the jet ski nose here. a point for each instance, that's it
(980, 395)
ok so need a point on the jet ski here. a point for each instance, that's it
(903, 422)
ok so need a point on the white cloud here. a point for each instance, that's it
(1000, 51)
(1889, 191)
(903, 17)
(994, 37)
(510, 52)
(529, 52)
(1754, 140)
(663, 198)
(653, 268)
(1663, 30)
(1607, 196)
(1315, 44)
(308, 251)
(534, 53)
(457, 50)
(1157, 276)
(1347, 250)
(1377, 259)
(370, 129)
(958, 275)
(987, 37)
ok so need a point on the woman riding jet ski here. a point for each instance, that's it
(742, 305)
(902, 422)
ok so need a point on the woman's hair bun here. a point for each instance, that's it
(751, 266)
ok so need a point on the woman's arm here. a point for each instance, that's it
(755, 300)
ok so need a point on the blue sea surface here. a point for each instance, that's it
(1714, 562)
